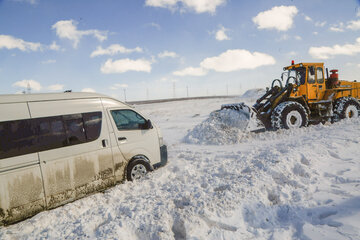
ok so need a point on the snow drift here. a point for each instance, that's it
(253, 93)
(224, 126)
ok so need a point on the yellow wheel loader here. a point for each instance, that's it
(306, 97)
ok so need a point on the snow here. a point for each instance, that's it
(224, 126)
(289, 184)
(253, 94)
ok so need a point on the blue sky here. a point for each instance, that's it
(153, 47)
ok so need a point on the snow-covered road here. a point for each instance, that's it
(289, 184)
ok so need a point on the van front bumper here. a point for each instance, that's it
(163, 157)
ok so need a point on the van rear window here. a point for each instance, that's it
(26, 136)
(17, 138)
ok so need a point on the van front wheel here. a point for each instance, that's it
(137, 169)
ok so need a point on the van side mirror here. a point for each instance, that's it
(147, 125)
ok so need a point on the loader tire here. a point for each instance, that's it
(289, 115)
(346, 107)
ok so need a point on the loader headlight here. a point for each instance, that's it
(161, 141)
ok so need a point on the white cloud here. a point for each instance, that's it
(124, 65)
(54, 46)
(34, 85)
(221, 35)
(166, 54)
(10, 42)
(154, 25)
(67, 29)
(237, 59)
(329, 52)
(320, 24)
(337, 27)
(199, 6)
(354, 25)
(119, 85)
(280, 18)
(166, 79)
(298, 38)
(90, 90)
(307, 18)
(32, 2)
(113, 49)
(49, 61)
(56, 87)
(315, 33)
(229, 61)
(283, 37)
(191, 71)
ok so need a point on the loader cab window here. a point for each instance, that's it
(311, 75)
(319, 75)
(301, 75)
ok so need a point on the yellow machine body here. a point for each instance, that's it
(315, 87)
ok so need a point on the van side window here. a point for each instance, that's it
(51, 133)
(26, 136)
(17, 138)
(92, 123)
(127, 120)
(74, 128)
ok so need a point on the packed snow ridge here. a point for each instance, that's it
(224, 126)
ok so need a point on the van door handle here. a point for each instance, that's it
(104, 142)
(121, 138)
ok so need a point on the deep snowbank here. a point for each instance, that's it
(222, 127)
(253, 93)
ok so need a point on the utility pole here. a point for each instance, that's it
(28, 88)
(147, 93)
(227, 90)
(124, 94)
(187, 91)
(174, 94)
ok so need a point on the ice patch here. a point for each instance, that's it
(222, 127)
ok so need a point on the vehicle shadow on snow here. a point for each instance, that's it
(286, 216)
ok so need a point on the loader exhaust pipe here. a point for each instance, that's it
(327, 73)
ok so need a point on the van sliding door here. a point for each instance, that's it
(75, 157)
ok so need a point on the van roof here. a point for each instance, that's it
(14, 98)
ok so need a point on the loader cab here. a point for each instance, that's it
(310, 80)
(315, 81)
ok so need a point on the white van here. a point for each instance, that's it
(55, 148)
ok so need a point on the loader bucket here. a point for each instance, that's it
(253, 123)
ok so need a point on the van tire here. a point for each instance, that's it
(137, 169)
